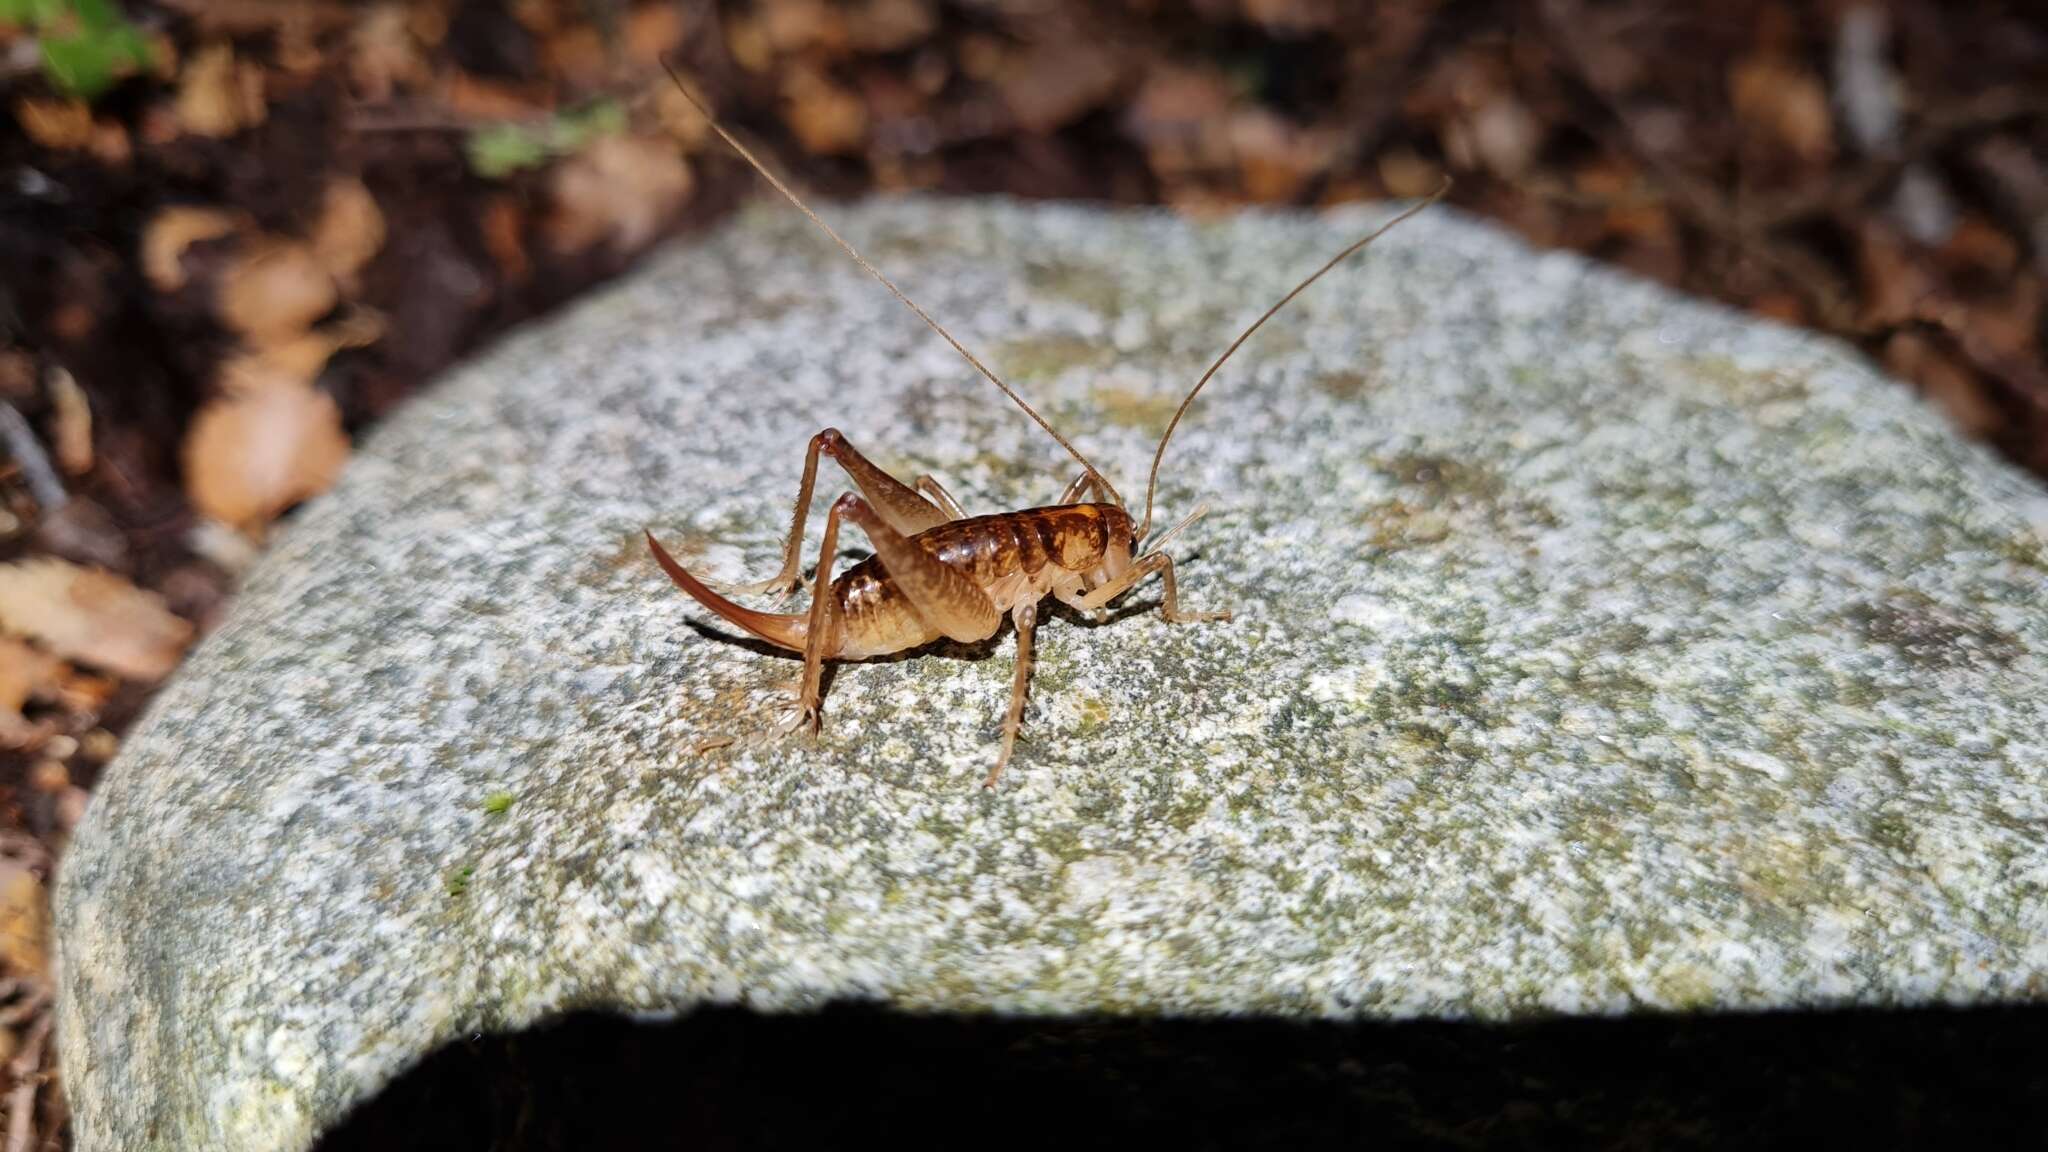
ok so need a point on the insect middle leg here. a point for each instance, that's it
(1025, 616)
(1169, 606)
(941, 595)
(897, 503)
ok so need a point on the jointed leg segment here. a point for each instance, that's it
(820, 633)
(899, 505)
(1169, 607)
(1025, 616)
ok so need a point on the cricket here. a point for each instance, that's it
(936, 572)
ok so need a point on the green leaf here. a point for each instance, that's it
(498, 150)
(86, 44)
(31, 13)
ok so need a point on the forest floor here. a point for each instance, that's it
(236, 233)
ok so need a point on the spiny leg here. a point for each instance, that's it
(1025, 616)
(1169, 606)
(897, 503)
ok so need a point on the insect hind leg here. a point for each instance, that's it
(895, 502)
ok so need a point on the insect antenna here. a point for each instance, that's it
(875, 272)
(1152, 481)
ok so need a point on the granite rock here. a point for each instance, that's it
(1596, 651)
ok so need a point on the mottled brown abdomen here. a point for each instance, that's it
(877, 617)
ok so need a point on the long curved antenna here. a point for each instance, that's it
(1152, 481)
(871, 270)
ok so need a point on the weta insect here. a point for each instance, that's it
(937, 572)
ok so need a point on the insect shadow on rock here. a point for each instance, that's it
(937, 572)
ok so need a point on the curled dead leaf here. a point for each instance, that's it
(298, 361)
(64, 125)
(177, 228)
(252, 454)
(219, 95)
(275, 291)
(621, 189)
(26, 673)
(350, 230)
(92, 616)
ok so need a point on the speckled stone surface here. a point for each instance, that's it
(1595, 651)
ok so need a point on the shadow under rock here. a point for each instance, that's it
(853, 1076)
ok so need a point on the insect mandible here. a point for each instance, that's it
(937, 572)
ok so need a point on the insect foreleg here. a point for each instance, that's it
(897, 503)
(1169, 606)
(1025, 616)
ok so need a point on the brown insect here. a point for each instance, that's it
(938, 572)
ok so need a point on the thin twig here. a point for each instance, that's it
(26, 1070)
(27, 451)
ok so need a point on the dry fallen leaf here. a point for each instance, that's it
(177, 228)
(26, 673)
(72, 417)
(219, 95)
(793, 26)
(1785, 102)
(477, 100)
(1407, 175)
(621, 188)
(350, 229)
(652, 31)
(1507, 136)
(383, 56)
(297, 361)
(679, 119)
(110, 143)
(92, 616)
(252, 454)
(503, 225)
(1051, 85)
(64, 125)
(826, 118)
(892, 25)
(275, 291)
(24, 922)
